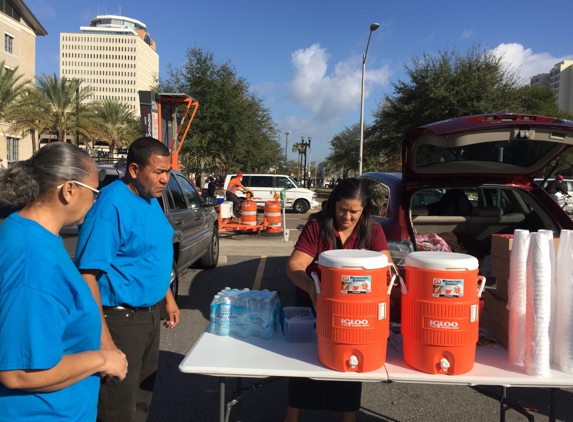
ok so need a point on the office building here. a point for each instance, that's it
(114, 55)
(560, 80)
(20, 29)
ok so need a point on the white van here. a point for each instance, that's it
(264, 186)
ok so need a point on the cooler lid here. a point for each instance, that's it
(353, 258)
(442, 261)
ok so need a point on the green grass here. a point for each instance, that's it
(322, 193)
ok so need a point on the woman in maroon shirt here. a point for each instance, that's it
(344, 224)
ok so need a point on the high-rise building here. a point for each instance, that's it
(20, 28)
(114, 55)
(560, 80)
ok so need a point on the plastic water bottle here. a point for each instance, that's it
(224, 316)
(213, 328)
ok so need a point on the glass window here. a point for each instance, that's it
(192, 195)
(283, 182)
(177, 195)
(426, 197)
(13, 149)
(8, 43)
(260, 182)
(516, 152)
(379, 198)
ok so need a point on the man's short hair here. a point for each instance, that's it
(141, 150)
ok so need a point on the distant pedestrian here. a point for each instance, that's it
(235, 185)
(555, 186)
(50, 325)
(211, 188)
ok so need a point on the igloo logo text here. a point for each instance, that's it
(449, 325)
(347, 322)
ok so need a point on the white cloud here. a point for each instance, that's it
(525, 62)
(329, 96)
(264, 87)
(467, 33)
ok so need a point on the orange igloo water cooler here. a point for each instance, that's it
(353, 310)
(440, 311)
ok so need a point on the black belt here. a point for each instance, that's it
(124, 307)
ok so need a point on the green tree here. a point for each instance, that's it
(443, 86)
(29, 114)
(12, 85)
(344, 147)
(232, 129)
(539, 100)
(69, 110)
(114, 124)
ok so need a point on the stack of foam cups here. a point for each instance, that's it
(562, 325)
(516, 301)
(538, 312)
(552, 256)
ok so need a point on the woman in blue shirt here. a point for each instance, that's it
(50, 327)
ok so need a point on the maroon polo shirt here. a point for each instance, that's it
(310, 243)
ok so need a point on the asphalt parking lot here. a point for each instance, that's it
(259, 262)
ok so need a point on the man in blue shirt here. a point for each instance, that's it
(125, 254)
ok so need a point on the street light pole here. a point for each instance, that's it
(373, 28)
(287, 133)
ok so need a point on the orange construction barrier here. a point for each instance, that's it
(273, 217)
(353, 309)
(249, 213)
(440, 311)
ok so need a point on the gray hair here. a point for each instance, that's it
(24, 182)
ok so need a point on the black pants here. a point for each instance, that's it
(236, 202)
(135, 333)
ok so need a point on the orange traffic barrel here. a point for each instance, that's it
(273, 217)
(249, 213)
(440, 311)
(353, 309)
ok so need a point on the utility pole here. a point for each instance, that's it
(287, 133)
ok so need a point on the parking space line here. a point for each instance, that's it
(259, 275)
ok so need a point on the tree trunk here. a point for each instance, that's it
(33, 136)
(201, 176)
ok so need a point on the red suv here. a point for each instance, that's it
(469, 178)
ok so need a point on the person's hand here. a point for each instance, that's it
(173, 313)
(115, 364)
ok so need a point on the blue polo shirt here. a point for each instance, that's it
(129, 239)
(46, 311)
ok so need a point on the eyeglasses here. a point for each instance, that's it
(95, 191)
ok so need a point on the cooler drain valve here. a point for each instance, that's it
(445, 364)
(353, 361)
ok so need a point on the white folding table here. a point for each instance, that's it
(254, 357)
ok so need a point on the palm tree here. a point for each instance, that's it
(69, 110)
(115, 124)
(12, 86)
(28, 114)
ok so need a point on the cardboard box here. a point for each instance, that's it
(500, 267)
(487, 322)
(501, 245)
(501, 288)
(496, 307)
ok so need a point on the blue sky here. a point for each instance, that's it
(304, 57)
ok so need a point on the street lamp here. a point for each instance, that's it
(287, 133)
(373, 28)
